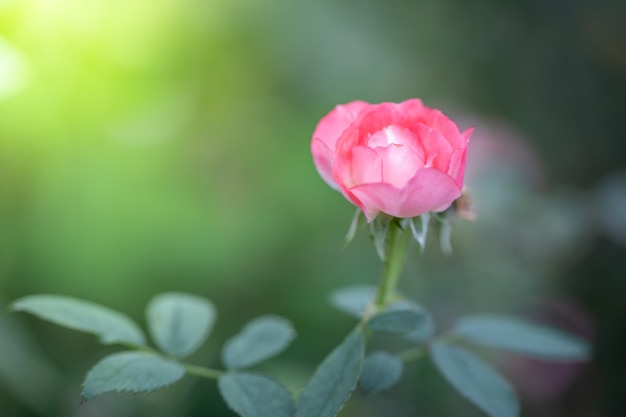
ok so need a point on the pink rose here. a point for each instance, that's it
(401, 159)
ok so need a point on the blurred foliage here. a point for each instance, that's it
(151, 146)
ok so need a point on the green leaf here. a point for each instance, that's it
(522, 337)
(419, 229)
(475, 380)
(381, 370)
(398, 321)
(179, 323)
(251, 395)
(426, 328)
(424, 332)
(261, 339)
(334, 379)
(131, 372)
(353, 300)
(109, 325)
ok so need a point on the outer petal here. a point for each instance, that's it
(413, 107)
(446, 127)
(331, 126)
(412, 113)
(354, 200)
(429, 190)
(458, 160)
(457, 166)
(324, 161)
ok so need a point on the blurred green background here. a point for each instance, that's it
(161, 145)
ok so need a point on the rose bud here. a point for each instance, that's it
(401, 159)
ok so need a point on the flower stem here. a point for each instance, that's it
(412, 354)
(396, 252)
(203, 372)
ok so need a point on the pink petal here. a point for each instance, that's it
(369, 169)
(331, 126)
(413, 112)
(323, 159)
(446, 127)
(429, 190)
(395, 135)
(347, 193)
(399, 164)
(458, 160)
(371, 120)
(365, 167)
(457, 166)
(413, 107)
(467, 135)
(437, 149)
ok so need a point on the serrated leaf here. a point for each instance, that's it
(522, 337)
(425, 329)
(419, 229)
(109, 325)
(476, 380)
(251, 395)
(353, 300)
(261, 339)
(133, 372)
(381, 371)
(334, 379)
(398, 321)
(179, 323)
(424, 332)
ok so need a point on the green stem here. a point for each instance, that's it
(203, 372)
(140, 348)
(398, 244)
(411, 354)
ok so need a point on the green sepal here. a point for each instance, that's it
(379, 228)
(358, 220)
(445, 232)
(419, 229)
